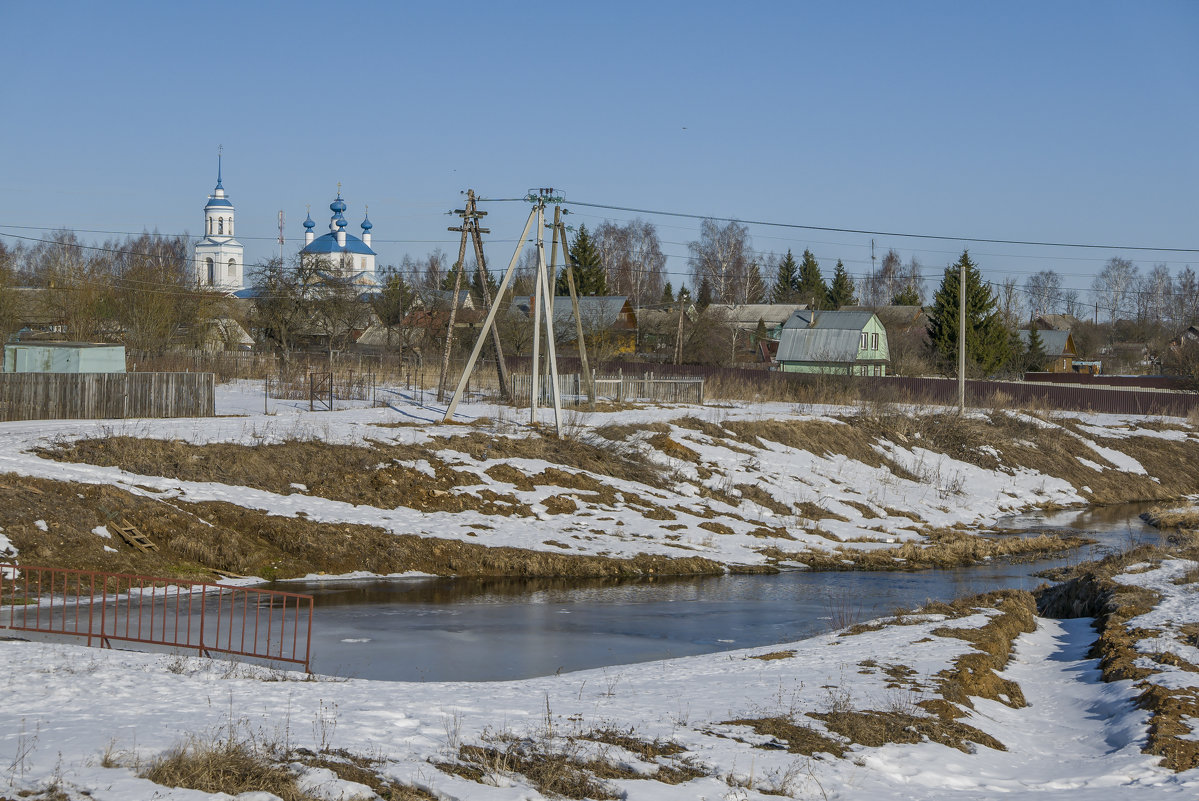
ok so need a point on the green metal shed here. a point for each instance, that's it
(63, 357)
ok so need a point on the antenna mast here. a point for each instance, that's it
(280, 236)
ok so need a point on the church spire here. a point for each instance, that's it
(219, 149)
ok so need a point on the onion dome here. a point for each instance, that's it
(337, 206)
(309, 224)
(341, 221)
(367, 224)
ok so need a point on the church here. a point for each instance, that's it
(345, 256)
(217, 259)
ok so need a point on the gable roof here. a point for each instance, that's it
(818, 345)
(1056, 322)
(839, 320)
(1054, 343)
(598, 312)
(746, 315)
(899, 317)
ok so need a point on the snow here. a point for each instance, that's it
(102, 531)
(1079, 738)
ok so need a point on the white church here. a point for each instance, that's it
(218, 257)
(219, 261)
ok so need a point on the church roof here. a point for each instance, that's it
(217, 201)
(327, 243)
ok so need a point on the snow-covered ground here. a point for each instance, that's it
(858, 505)
(66, 707)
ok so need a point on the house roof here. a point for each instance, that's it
(598, 312)
(840, 320)
(819, 345)
(1054, 343)
(1057, 322)
(900, 317)
(746, 315)
(440, 298)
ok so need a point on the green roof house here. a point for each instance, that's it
(834, 342)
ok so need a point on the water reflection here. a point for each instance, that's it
(488, 629)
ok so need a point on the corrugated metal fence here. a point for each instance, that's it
(618, 388)
(48, 396)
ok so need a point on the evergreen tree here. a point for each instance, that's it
(908, 296)
(704, 299)
(987, 347)
(447, 281)
(841, 292)
(1034, 357)
(667, 293)
(476, 287)
(590, 278)
(760, 333)
(811, 289)
(786, 281)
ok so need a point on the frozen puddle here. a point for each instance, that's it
(1077, 734)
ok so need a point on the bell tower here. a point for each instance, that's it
(218, 256)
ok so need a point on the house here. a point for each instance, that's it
(63, 357)
(746, 316)
(1058, 346)
(609, 316)
(835, 342)
(1056, 322)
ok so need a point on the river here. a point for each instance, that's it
(480, 630)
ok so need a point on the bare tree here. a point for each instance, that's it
(282, 303)
(881, 288)
(1186, 298)
(1154, 295)
(75, 284)
(433, 269)
(1044, 292)
(1071, 304)
(9, 305)
(153, 298)
(1008, 302)
(721, 255)
(632, 257)
(1114, 286)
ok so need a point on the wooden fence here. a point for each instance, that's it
(48, 396)
(619, 388)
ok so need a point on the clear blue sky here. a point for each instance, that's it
(1062, 121)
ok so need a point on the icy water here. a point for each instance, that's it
(476, 630)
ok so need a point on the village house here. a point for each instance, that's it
(833, 342)
(607, 317)
(1058, 347)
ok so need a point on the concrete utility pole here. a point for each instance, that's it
(962, 339)
(584, 367)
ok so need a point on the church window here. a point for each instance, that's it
(232, 265)
(211, 271)
(210, 226)
(220, 225)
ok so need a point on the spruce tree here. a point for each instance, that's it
(811, 288)
(908, 296)
(786, 281)
(667, 294)
(987, 347)
(841, 292)
(590, 278)
(1034, 357)
(760, 333)
(476, 287)
(704, 299)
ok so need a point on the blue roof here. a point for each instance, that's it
(217, 201)
(327, 243)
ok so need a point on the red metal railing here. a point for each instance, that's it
(152, 610)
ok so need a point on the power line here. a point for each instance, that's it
(868, 232)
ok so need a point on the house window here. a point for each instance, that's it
(865, 341)
(874, 341)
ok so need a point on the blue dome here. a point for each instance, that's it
(309, 224)
(367, 224)
(341, 221)
(337, 206)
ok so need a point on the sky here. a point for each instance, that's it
(1068, 122)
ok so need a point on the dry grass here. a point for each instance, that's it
(874, 729)
(941, 549)
(1167, 517)
(356, 768)
(555, 773)
(773, 655)
(799, 739)
(225, 766)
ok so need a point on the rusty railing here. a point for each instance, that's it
(151, 610)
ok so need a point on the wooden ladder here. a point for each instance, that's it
(134, 537)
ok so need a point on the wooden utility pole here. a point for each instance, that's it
(678, 339)
(459, 269)
(584, 367)
(470, 225)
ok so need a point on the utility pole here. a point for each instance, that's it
(584, 367)
(543, 291)
(280, 236)
(678, 339)
(962, 338)
(470, 225)
(459, 268)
